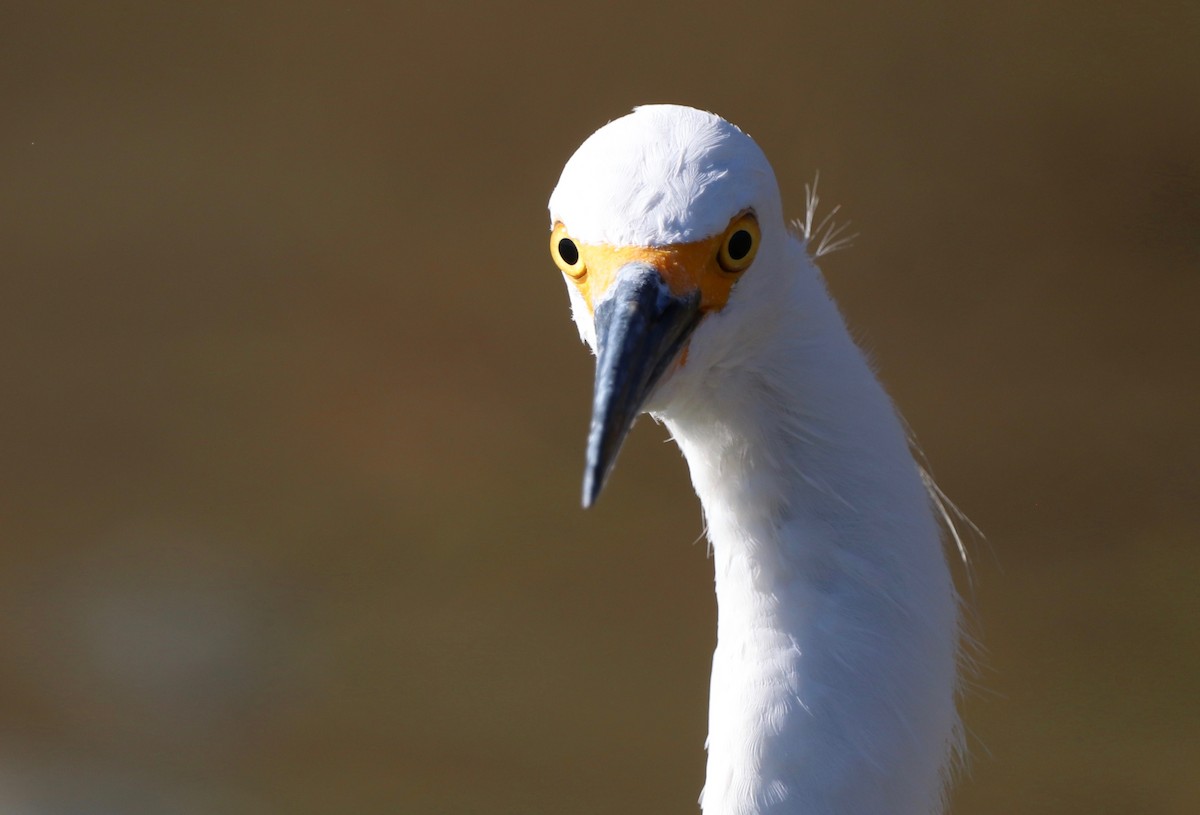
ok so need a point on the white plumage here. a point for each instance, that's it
(835, 671)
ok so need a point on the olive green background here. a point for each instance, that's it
(293, 412)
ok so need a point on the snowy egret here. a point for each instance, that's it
(835, 672)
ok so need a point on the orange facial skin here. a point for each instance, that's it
(702, 265)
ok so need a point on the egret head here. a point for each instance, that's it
(668, 229)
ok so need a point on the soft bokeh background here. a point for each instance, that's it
(293, 410)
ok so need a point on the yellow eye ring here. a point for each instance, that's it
(566, 252)
(740, 243)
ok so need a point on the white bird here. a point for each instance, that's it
(835, 673)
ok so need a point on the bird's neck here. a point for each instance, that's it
(834, 676)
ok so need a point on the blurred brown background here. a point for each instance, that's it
(294, 412)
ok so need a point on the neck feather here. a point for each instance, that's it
(834, 676)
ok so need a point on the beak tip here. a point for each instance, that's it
(593, 483)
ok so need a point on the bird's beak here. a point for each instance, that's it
(640, 328)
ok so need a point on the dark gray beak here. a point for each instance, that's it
(640, 328)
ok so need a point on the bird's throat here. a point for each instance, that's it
(834, 671)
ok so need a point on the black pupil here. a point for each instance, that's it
(568, 251)
(739, 244)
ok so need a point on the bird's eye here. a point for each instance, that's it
(740, 243)
(566, 252)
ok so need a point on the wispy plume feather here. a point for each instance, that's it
(825, 236)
